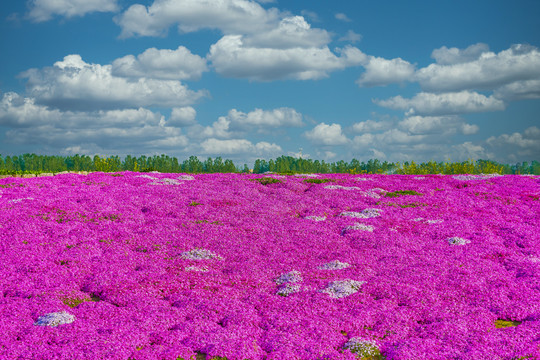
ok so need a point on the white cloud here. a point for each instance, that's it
(184, 116)
(450, 56)
(516, 146)
(488, 71)
(220, 129)
(436, 125)
(281, 117)
(291, 32)
(380, 72)
(179, 64)
(238, 146)
(468, 129)
(527, 89)
(342, 17)
(43, 10)
(229, 16)
(18, 111)
(232, 58)
(444, 104)
(351, 36)
(324, 134)
(371, 125)
(76, 85)
(65, 131)
(237, 123)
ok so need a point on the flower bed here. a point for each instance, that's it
(161, 266)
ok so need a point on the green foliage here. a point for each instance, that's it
(318, 181)
(401, 192)
(194, 203)
(36, 164)
(500, 323)
(267, 180)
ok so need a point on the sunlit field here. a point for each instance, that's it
(131, 265)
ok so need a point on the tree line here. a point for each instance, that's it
(32, 163)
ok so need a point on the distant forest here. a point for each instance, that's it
(32, 163)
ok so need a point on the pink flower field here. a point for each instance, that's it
(214, 266)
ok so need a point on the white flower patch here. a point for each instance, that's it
(165, 181)
(475, 177)
(316, 218)
(336, 187)
(358, 226)
(372, 194)
(428, 221)
(365, 214)
(19, 200)
(362, 179)
(55, 319)
(146, 177)
(334, 265)
(200, 254)
(288, 289)
(288, 283)
(186, 177)
(457, 241)
(307, 175)
(196, 268)
(534, 259)
(290, 277)
(342, 288)
(364, 348)
(419, 177)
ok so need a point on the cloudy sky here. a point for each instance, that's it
(243, 79)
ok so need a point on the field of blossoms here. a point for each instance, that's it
(235, 266)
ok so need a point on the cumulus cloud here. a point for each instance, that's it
(527, 89)
(291, 32)
(229, 16)
(351, 36)
(342, 17)
(281, 117)
(237, 123)
(236, 146)
(183, 116)
(444, 104)
(43, 10)
(517, 146)
(488, 71)
(232, 58)
(73, 84)
(122, 130)
(437, 125)
(450, 56)
(179, 64)
(371, 125)
(380, 72)
(324, 134)
(19, 111)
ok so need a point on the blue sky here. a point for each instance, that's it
(243, 79)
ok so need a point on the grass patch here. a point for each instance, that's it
(74, 302)
(401, 192)
(194, 203)
(10, 185)
(267, 180)
(500, 323)
(401, 206)
(318, 181)
(208, 222)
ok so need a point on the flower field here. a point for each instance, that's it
(237, 266)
